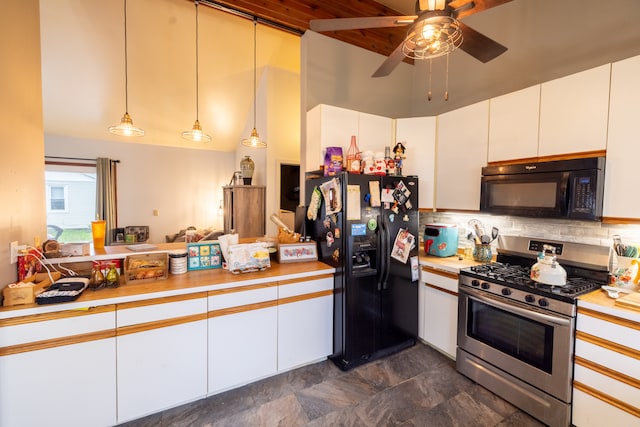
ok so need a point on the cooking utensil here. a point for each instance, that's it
(615, 292)
(477, 227)
(494, 233)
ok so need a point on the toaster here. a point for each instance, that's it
(441, 239)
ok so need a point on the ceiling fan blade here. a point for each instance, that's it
(476, 6)
(480, 46)
(390, 63)
(338, 24)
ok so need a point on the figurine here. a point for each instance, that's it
(398, 156)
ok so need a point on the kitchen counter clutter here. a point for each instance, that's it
(126, 352)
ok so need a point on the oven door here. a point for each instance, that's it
(526, 342)
(543, 195)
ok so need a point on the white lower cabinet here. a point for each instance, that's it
(305, 321)
(162, 354)
(606, 385)
(440, 309)
(242, 335)
(58, 369)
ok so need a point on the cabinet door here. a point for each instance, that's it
(419, 136)
(440, 310)
(58, 369)
(513, 125)
(305, 321)
(243, 335)
(374, 132)
(244, 210)
(574, 112)
(622, 148)
(328, 126)
(461, 154)
(162, 354)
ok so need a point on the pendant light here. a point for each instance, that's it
(196, 134)
(126, 127)
(254, 140)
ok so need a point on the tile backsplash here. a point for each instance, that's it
(590, 232)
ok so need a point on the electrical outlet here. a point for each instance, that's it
(13, 250)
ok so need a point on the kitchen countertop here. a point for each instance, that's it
(599, 301)
(190, 282)
(451, 264)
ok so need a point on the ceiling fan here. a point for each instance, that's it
(434, 31)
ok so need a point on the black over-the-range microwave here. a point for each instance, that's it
(571, 189)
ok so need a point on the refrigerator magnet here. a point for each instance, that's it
(372, 224)
(330, 239)
(336, 233)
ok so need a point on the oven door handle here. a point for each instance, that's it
(514, 309)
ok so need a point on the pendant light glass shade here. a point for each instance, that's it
(196, 134)
(254, 140)
(126, 127)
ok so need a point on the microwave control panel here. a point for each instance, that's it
(583, 194)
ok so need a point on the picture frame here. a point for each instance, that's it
(204, 255)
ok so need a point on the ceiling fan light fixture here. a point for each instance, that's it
(435, 35)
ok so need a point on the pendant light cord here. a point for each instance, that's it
(255, 25)
(126, 65)
(197, 65)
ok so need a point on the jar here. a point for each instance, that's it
(482, 253)
(113, 279)
(247, 166)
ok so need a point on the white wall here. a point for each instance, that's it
(184, 185)
(339, 74)
(22, 206)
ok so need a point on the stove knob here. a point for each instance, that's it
(506, 291)
(475, 282)
(484, 285)
(530, 298)
(543, 302)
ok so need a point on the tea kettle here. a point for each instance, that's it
(547, 270)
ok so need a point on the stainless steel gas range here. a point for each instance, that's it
(516, 336)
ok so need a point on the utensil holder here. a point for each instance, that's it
(482, 253)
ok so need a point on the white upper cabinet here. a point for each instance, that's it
(623, 150)
(419, 137)
(329, 126)
(574, 112)
(513, 125)
(461, 154)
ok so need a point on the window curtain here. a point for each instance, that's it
(106, 207)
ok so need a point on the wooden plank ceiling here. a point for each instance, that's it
(296, 14)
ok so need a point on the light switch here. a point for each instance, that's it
(156, 212)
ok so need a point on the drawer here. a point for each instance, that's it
(438, 278)
(161, 309)
(243, 295)
(296, 287)
(51, 326)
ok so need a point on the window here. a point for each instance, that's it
(71, 201)
(57, 198)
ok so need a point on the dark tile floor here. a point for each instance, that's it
(416, 387)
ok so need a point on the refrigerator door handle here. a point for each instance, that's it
(386, 253)
(382, 247)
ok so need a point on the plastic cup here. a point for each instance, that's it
(98, 229)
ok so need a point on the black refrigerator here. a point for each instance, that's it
(366, 226)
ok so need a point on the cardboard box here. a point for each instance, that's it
(27, 294)
(75, 249)
(146, 267)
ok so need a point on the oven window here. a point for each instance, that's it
(523, 194)
(525, 339)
